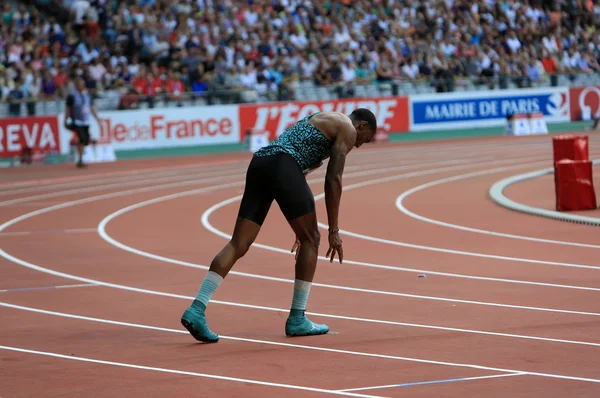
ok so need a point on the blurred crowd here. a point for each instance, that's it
(167, 47)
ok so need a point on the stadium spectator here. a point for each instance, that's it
(270, 46)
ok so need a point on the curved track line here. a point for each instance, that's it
(450, 251)
(109, 239)
(91, 181)
(181, 372)
(111, 195)
(496, 193)
(406, 194)
(403, 244)
(145, 181)
(308, 347)
(114, 174)
(284, 310)
(128, 288)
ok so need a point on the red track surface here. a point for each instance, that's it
(520, 311)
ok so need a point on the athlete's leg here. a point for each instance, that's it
(306, 230)
(297, 204)
(244, 234)
(254, 207)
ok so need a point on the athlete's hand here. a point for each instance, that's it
(335, 246)
(296, 247)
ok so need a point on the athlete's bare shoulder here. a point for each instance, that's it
(332, 123)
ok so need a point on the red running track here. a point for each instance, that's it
(442, 293)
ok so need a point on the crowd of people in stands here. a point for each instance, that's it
(168, 47)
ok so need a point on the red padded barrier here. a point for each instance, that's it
(572, 147)
(574, 185)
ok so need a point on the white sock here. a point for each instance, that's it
(301, 292)
(211, 282)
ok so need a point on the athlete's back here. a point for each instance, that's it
(303, 141)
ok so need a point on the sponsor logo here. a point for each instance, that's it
(558, 104)
(463, 110)
(159, 128)
(585, 100)
(41, 134)
(167, 128)
(274, 118)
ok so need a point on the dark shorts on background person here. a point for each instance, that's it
(83, 134)
(275, 177)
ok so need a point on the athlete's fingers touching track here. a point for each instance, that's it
(335, 246)
(333, 252)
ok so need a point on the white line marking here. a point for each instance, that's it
(448, 251)
(180, 372)
(496, 194)
(26, 289)
(102, 232)
(206, 223)
(6, 255)
(299, 346)
(104, 235)
(101, 181)
(66, 231)
(117, 185)
(433, 382)
(409, 213)
(258, 307)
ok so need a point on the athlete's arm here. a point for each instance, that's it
(95, 114)
(343, 143)
(69, 104)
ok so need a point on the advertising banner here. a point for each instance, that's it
(165, 127)
(486, 109)
(585, 102)
(41, 134)
(274, 118)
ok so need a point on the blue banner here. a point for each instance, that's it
(481, 108)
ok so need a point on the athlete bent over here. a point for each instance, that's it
(278, 172)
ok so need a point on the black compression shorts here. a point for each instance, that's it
(277, 177)
(83, 134)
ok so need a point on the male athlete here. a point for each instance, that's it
(278, 172)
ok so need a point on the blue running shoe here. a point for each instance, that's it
(299, 325)
(194, 320)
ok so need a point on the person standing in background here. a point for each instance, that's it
(77, 116)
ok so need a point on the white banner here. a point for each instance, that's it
(163, 128)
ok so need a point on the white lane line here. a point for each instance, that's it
(410, 245)
(180, 372)
(196, 175)
(420, 383)
(114, 175)
(300, 346)
(28, 289)
(64, 231)
(283, 310)
(211, 228)
(102, 232)
(406, 153)
(109, 239)
(449, 251)
(406, 194)
(101, 181)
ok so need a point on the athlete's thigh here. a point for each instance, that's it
(292, 193)
(258, 193)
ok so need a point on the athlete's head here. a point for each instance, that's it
(79, 84)
(365, 124)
